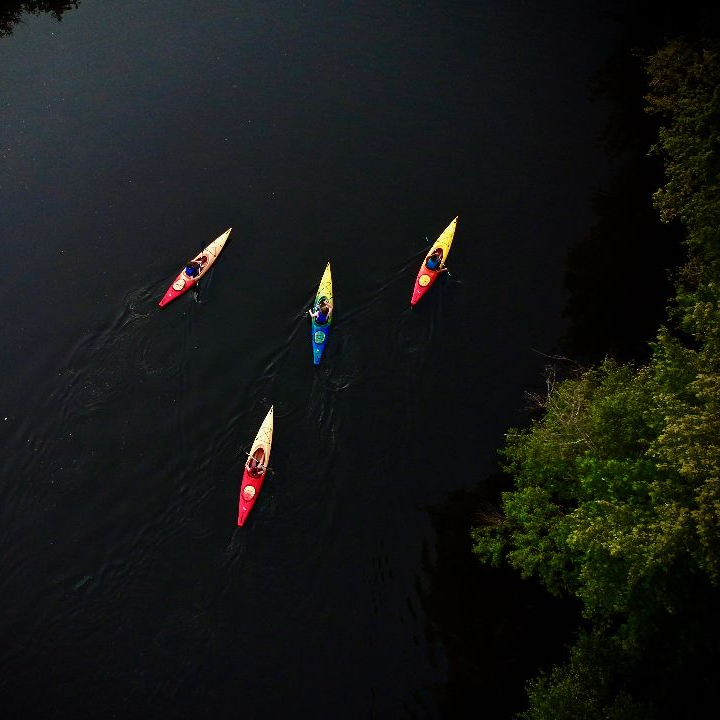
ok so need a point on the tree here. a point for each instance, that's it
(11, 13)
(616, 495)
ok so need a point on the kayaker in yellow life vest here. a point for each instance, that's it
(323, 312)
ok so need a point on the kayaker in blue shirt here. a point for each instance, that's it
(323, 312)
(192, 269)
(434, 260)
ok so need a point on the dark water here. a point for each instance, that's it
(131, 135)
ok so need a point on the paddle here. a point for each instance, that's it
(197, 287)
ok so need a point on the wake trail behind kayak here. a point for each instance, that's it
(93, 378)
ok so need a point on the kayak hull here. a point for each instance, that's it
(249, 490)
(423, 283)
(319, 333)
(250, 485)
(426, 277)
(183, 282)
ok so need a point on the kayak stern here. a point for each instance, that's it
(179, 287)
(423, 282)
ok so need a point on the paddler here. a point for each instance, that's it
(192, 269)
(434, 260)
(323, 312)
(256, 465)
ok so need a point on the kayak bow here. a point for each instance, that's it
(319, 333)
(183, 282)
(252, 480)
(426, 277)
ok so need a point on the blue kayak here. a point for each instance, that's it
(323, 300)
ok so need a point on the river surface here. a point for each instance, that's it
(134, 133)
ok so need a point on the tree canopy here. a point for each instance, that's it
(11, 12)
(616, 485)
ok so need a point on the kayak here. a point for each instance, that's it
(183, 282)
(255, 471)
(319, 333)
(426, 277)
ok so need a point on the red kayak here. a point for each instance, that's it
(255, 468)
(434, 262)
(202, 262)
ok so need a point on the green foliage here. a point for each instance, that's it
(585, 688)
(11, 12)
(582, 494)
(617, 485)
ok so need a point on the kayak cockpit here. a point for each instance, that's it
(256, 463)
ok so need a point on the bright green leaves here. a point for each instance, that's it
(617, 485)
(617, 481)
(617, 502)
(582, 511)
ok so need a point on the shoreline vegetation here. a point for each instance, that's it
(11, 13)
(614, 495)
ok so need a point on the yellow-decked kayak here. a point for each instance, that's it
(427, 276)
